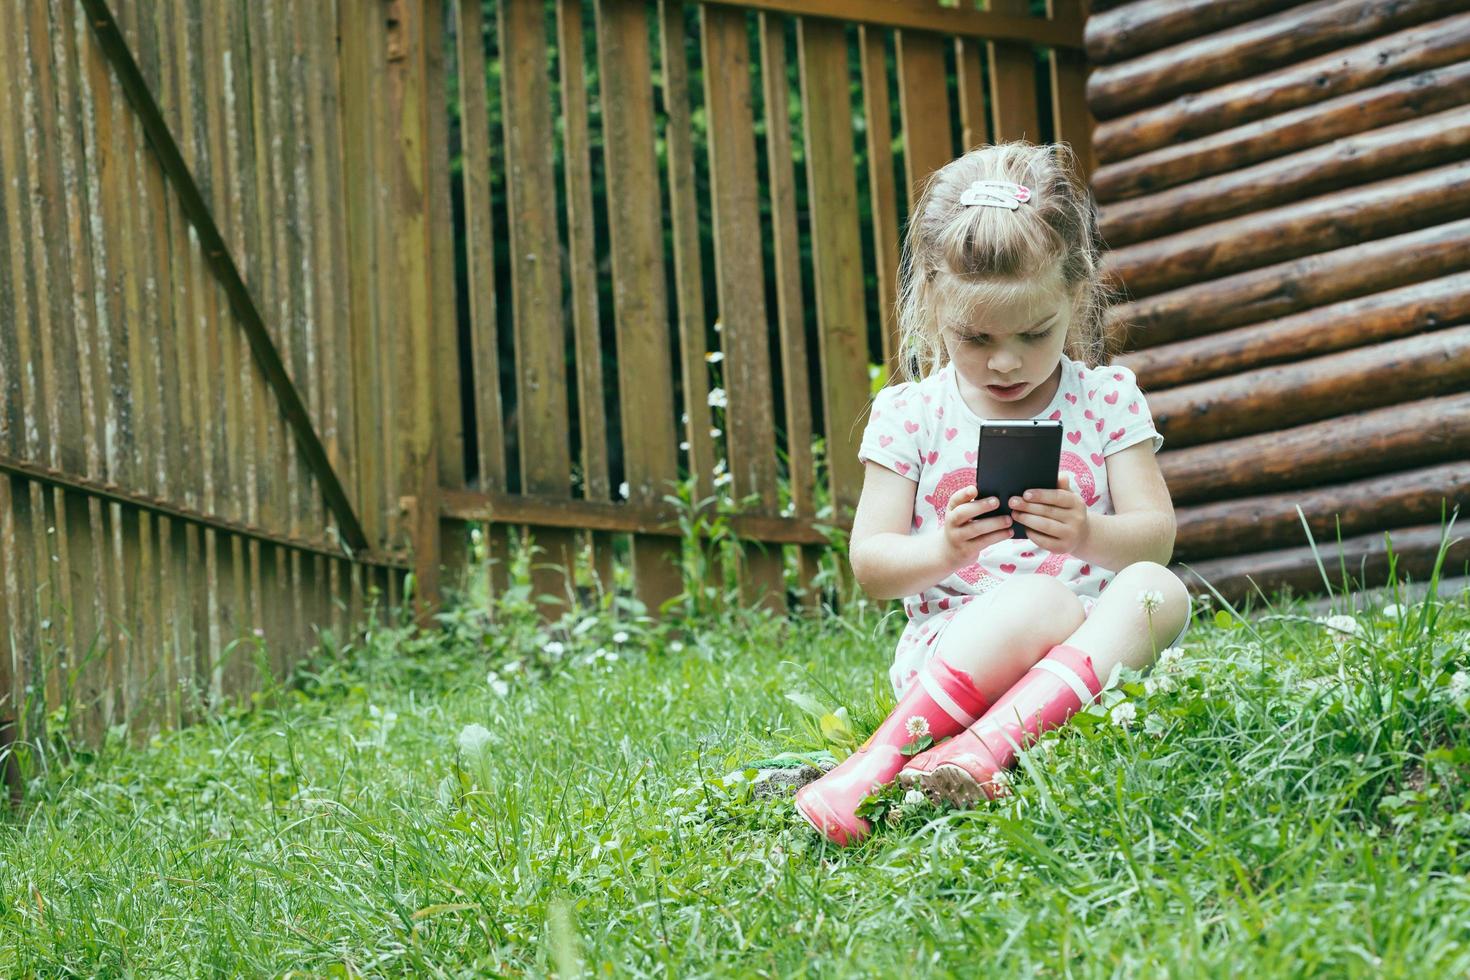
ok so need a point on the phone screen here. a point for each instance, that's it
(1016, 455)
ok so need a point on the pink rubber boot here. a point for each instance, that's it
(962, 770)
(947, 702)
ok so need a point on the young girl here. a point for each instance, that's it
(1001, 317)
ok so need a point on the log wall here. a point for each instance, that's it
(1285, 190)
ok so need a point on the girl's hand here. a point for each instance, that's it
(1054, 519)
(965, 535)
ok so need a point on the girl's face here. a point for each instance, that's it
(1008, 360)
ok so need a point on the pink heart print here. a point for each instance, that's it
(1091, 392)
(1097, 460)
(1118, 434)
(918, 520)
(1008, 568)
(910, 426)
(1111, 399)
(933, 456)
(1087, 414)
(1028, 554)
(969, 455)
(884, 441)
(903, 468)
(1100, 424)
(1074, 437)
(1086, 569)
(927, 399)
(944, 603)
(950, 434)
(1070, 397)
(1133, 407)
(1055, 415)
(939, 412)
(1117, 377)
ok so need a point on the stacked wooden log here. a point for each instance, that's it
(1285, 190)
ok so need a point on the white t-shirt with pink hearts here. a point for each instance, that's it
(924, 431)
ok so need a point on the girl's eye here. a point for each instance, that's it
(1032, 337)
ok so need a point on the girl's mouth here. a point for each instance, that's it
(1010, 392)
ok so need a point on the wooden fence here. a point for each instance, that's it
(1285, 189)
(793, 296)
(231, 388)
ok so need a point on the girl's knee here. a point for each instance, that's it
(1151, 576)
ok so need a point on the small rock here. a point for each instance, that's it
(785, 781)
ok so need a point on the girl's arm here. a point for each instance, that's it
(887, 561)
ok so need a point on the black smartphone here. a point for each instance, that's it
(1017, 455)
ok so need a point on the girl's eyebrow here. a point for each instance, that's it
(982, 333)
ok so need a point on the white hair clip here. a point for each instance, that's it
(996, 194)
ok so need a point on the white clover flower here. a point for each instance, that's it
(1001, 780)
(1125, 713)
(1158, 684)
(620, 637)
(917, 726)
(720, 466)
(1171, 659)
(684, 446)
(715, 433)
(473, 739)
(1340, 628)
(719, 326)
(684, 418)
(1393, 610)
(611, 656)
(514, 666)
(1150, 599)
(715, 356)
(623, 489)
(913, 797)
(1459, 684)
(498, 686)
(676, 647)
(717, 398)
(555, 649)
(258, 633)
(724, 479)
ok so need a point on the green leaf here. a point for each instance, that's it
(808, 704)
(917, 745)
(1224, 620)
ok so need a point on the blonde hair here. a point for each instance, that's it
(987, 256)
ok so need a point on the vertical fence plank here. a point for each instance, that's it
(1072, 120)
(536, 281)
(1013, 82)
(836, 251)
(359, 30)
(790, 307)
(480, 274)
(970, 80)
(881, 186)
(581, 249)
(923, 99)
(688, 273)
(739, 279)
(645, 387)
(446, 421)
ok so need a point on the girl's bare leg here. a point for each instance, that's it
(1119, 629)
(997, 641)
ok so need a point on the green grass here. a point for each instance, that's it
(1283, 805)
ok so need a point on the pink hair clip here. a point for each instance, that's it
(995, 194)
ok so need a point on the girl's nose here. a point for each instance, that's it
(1002, 363)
